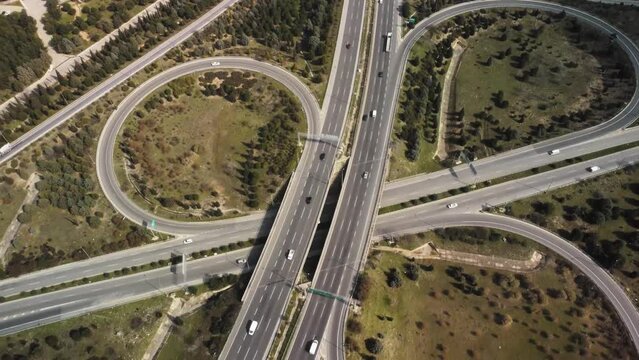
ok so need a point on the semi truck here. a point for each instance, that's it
(5, 149)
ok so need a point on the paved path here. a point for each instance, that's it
(429, 251)
(13, 228)
(445, 107)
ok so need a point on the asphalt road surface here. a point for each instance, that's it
(114, 80)
(294, 227)
(43, 309)
(352, 222)
(108, 138)
(493, 167)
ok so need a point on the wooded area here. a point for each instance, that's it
(23, 59)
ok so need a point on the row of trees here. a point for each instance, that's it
(23, 59)
(66, 38)
(128, 45)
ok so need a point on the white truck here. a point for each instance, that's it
(5, 149)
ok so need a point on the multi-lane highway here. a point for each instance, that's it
(394, 192)
(67, 303)
(352, 221)
(47, 308)
(267, 294)
(493, 167)
(265, 299)
(323, 317)
(109, 84)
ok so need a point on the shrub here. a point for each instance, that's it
(373, 345)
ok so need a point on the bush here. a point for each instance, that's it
(354, 326)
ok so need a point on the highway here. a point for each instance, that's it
(411, 220)
(349, 233)
(322, 317)
(387, 226)
(353, 219)
(108, 138)
(496, 166)
(276, 272)
(394, 192)
(43, 309)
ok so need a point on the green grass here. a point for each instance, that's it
(621, 188)
(219, 131)
(432, 317)
(114, 334)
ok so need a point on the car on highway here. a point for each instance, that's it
(289, 254)
(380, 74)
(373, 113)
(240, 261)
(554, 152)
(308, 199)
(188, 241)
(365, 175)
(452, 205)
(322, 156)
(594, 168)
(312, 349)
(365, 117)
(215, 63)
(348, 45)
(252, 327)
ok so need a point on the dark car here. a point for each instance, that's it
(308, 199)
(365, 117)
(380, 74)
(348, 46)
(322, 156)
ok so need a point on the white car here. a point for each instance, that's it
(188, 241)
(289, 254)
(252, 327)
(594, 168)
(452, 205)
(215, 63)
(365, 175)
(241, 261)
(554, 152)
(313, 348)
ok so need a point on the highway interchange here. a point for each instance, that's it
(346, 244)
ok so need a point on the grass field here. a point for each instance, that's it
(572, 209)
(456, 312)
(122, 332)
(196, 144)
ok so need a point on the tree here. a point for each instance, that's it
(406, 9)
(393, 279)
(373, 345)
